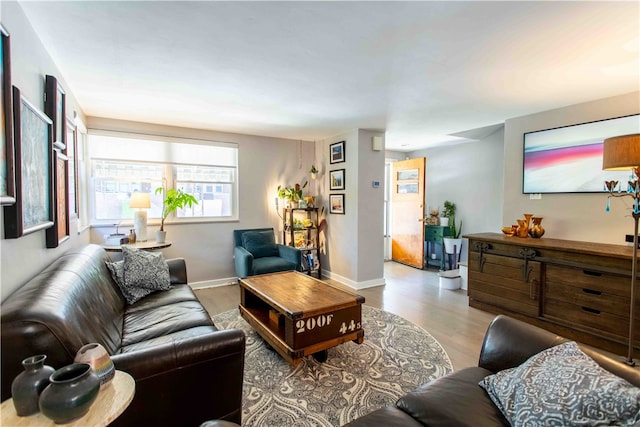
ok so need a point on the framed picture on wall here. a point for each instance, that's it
(336, 152)
(336, 204)
(336, 179)
(33, 209)
(7, 162)
(72, 148)
(55, 108)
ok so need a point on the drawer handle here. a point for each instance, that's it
(592, 273)
(590, 310)
(591, 291)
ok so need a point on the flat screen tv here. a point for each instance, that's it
(568, 159)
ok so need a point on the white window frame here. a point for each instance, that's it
(170, 172)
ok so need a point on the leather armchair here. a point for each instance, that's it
(256, 252)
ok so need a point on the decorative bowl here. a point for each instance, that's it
(508, 231)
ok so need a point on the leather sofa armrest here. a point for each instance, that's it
(243, 260)
(186, 382)
(509, 342)
(177, 271)
(291, 254)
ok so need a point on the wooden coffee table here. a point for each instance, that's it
(299, 315)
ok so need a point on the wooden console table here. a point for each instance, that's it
(110, 403)
(579, 290)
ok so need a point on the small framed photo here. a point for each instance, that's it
(336, 179)
(336, 152)
(336, 204)
(55, 108)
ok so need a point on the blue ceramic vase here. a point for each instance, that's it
(72, 391)
(27, 386)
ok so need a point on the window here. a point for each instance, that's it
(124, 163)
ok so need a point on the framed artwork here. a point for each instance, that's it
(34, 208)
(336, 152)
(55, 108)
(336, 204)
(336, 179)
(60, 231)
(72, 165)
(7, 162)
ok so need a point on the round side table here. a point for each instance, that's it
(110, 403)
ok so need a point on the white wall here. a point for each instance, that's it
(566, 216)
(24, 257)
(469, 175)
(264, 163)
(353, 251)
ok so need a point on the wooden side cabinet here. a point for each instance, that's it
(301, 231)
(434, 234)
(580, 290)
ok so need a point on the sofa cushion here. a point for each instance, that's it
(563, 386)
(260, 243)
(455, 400)
(145, 269)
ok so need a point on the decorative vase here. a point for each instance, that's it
(536, 230)
(96, 355)
(72, 391)
(29, 384)
(161, 236)
(523, 225)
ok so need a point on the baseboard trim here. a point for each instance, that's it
(353, 284)
(214, 283)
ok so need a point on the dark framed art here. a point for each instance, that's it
(336, 152)
(60, 231)
(55, 108)
(72, 165)
(336, 204)
(336, 179)
(33, 209)
(7, 163)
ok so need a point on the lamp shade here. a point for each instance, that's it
(140, 200)
(621, 152)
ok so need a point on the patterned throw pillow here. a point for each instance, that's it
(563, 386)
(140, 273)
(131, 295)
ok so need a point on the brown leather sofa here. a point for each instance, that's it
(457, 399)
(186, 371)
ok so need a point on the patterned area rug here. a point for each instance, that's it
(395, 358)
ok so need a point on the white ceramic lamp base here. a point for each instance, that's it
(140, 225)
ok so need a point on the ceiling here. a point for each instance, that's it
(428, 73)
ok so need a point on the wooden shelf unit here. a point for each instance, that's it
(305, 239)
(579, 290)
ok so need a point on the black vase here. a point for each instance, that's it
(72, 391)
(27, 386)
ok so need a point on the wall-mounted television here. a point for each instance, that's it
(568, 159)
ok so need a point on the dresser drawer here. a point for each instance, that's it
(589, 298)
(435, 233)
(584, 316)
(590, 280)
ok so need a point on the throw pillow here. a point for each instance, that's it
(260, 243)
(131, 295)
(563, 386)
(143, 269)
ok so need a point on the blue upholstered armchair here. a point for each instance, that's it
(256, 252)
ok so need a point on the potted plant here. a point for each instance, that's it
(453, 240)
(173, 199)
(314, 172)
(291, 195)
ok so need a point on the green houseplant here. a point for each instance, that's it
(452, 243)
(173, 199)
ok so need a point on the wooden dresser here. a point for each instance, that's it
(579, 290)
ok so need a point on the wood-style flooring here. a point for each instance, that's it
(411, 293)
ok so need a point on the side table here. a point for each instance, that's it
(149, 245)
(110, 403)
(434, 234)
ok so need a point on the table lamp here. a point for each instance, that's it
(142, 202)
(619, 153)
